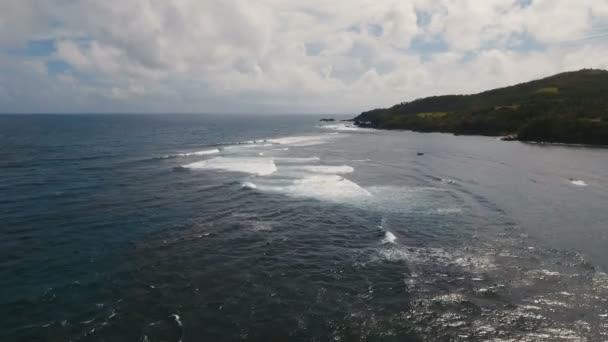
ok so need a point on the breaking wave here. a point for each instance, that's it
(192, 154)
(255, 166)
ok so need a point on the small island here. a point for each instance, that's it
(570, 108)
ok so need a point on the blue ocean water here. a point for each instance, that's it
(260, 228)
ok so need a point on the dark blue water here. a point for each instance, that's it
(261, 228)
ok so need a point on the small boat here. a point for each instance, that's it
(420, 153)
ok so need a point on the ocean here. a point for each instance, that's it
(282, 228)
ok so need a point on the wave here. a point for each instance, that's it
(306, 140)
(199, 153)
(248, 185)
(191, 154)
(389, 237)
(177, 319)
(256, 166)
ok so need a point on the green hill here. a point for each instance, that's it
(571, 107)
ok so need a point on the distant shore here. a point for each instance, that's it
(568, 108)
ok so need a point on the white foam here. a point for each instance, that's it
(201, 153)
(327, 169)
(191, 154)
(256, 166)
(404, 199)
(578, 182)
(426, 256)
(249, 185)
(389, 237)
(308, 140)
(297, 160)
(241, 146)
(323, 187)
(549, 302)
(345, 127)
(395, 254)
(281, 149)
(449, 298)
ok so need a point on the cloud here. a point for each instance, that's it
(284, 55)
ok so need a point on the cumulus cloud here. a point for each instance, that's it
(284, 55)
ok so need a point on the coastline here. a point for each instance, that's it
(506, 138)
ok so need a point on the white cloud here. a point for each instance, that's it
(288, 55)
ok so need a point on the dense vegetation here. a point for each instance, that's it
(570, 107)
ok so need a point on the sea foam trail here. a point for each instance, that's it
(255, 166)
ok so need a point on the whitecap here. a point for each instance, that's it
(177, 319)
(200, 153)
(256, 166)
(389, 237)
(191, 154)
(248, 185)
(578, 182)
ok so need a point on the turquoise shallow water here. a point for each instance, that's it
(258, 228)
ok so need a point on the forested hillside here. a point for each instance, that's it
(570, 107)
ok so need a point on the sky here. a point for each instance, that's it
(282, 56)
